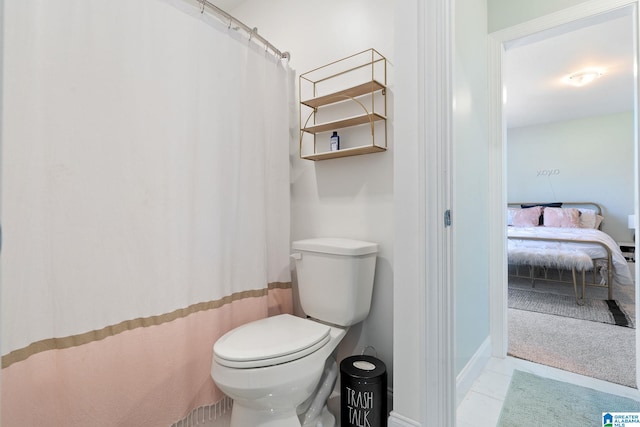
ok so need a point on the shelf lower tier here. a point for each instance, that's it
(356, 151)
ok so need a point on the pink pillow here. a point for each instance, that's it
(528, 217)
(562, 217)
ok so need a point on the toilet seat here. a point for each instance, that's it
(270, 341)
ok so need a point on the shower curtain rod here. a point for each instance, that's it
(253, 32)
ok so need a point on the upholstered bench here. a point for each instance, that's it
(562, 259)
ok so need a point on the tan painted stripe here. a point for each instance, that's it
(127, 325)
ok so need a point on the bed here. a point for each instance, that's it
(564, 236)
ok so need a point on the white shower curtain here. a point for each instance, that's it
(145, 206)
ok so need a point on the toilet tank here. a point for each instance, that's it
(335, 278)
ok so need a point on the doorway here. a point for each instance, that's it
(500, 43)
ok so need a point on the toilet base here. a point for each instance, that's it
(326, 419)
(241, 416)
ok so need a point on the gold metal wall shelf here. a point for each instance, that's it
(353, 89)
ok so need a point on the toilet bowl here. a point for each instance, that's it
(271, 366)
(279, 371)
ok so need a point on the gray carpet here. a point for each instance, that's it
(562, 305)
(535, 401)
(594, 349)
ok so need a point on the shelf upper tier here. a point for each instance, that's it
(352, 92)
(339, 124)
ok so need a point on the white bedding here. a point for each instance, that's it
(621, 272)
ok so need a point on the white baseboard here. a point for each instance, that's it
(464, 381)
(397, 420)
(472, 370)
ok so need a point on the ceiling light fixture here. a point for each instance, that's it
(584, 77)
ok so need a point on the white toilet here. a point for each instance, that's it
(279, 371)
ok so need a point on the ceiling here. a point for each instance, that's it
(534, 72)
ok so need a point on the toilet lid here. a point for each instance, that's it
(270, 341)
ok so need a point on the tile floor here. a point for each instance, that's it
(482, 405)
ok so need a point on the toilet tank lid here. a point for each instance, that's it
(336, 246)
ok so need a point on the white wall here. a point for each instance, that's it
(410, 198)
(579, 160)
(471, 180)
(346, 197)
(506, 13)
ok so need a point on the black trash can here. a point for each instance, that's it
(363, 392)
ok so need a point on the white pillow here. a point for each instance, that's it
(510, 213)
(599, 219)
(588, 218)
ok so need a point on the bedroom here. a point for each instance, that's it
(580, 148)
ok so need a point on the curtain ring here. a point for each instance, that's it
(202, 10)
(229, 27)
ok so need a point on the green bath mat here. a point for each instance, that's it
(536, 401)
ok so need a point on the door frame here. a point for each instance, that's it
(424, 382)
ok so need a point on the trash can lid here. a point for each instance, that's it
(364, 367)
